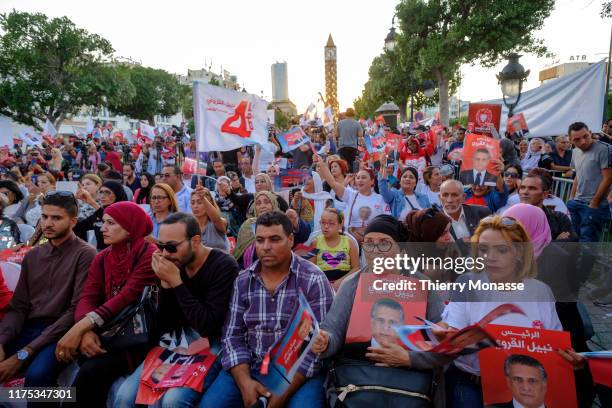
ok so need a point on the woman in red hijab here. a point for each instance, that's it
(117, 278)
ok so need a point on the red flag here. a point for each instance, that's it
(380, 120)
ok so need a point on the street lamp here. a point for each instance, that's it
(390, 39)
(429, 89)
(511, 79)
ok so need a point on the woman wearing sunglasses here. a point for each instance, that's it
(380, 361)
(117, 277)
(109, 193)
(508, 259)
(513, 174)
(163, 203)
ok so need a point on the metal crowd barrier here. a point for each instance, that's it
(562, 187)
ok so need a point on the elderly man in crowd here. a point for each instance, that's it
(465, 217)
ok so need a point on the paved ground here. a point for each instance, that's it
(602, 325)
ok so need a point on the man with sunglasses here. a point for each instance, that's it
(43, 305)
(196, 288)
(264, 297)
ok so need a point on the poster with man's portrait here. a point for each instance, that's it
(375, 312)
(526, 369)
(517, 127)
(479, 155)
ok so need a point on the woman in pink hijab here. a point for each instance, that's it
(535, 223)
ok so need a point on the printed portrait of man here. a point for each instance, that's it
(478, 174)
(385, 313)
(527, 380)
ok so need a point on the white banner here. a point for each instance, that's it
(49, 129)
(227, 119)
(147, 130)
(550, 108)
(6, 131)
(30, 137)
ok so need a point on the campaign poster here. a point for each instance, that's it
(284, 359)
(290, 178)
(479, 153)
(482, 116)
(183, 359)
(527, 368)
(292, 139)
(377, 310)
(517, 126)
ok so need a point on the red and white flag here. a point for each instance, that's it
(147, 130)
(226, 119)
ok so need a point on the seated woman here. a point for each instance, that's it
(404, 200)
(163, 203)
(513, 174)
(337, 254)
(501, 242)
(38, 185)
(141, 195)
(228, 210)
(212, 224)
(109, 193)
(245, 203)
(14, 195)
(117, 277)
(382, 358)
(244, 252)
(431, 187)
(9, 232)
(91, 183)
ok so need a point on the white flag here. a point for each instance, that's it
(49, 129)
(30, 137)
(89, 127)
(127, 134)
(328, 117)
(80, 132)
(147, 130)
(226, 119)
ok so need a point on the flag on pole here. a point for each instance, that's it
(30, 137)
(328, 117)
(147, 131)
(49, 129)
(80, 132)
(226, 119)
(292, 139)
(89, 127)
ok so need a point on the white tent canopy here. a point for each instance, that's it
(550, 108)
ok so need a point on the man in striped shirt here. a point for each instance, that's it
(263, 300)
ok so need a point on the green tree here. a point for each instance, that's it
(437, 36)
(50, 69)
(156, 93)
(281, 120)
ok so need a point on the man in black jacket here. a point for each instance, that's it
(465, 217)
(535, 187)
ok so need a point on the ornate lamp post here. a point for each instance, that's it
(511, 79)
(390, 39)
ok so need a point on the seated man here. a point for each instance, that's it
(263, 300)
(43, 305)
(534, 189)
(196, 288)
(464, 217)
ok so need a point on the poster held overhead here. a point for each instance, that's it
(478, 167)
(481, 116)
(517, 127)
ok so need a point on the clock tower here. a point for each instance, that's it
(331, 81)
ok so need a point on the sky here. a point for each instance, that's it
(246, 37)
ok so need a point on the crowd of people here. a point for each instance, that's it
(218, 252)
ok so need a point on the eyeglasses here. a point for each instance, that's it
(158, 198)
(507, 221)
(382, 246)
(169, 247)
(510, 174)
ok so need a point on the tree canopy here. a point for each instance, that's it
(50, 69)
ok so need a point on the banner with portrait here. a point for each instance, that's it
(183, 359)
(479, 154)
(527, 368)
(378, 307)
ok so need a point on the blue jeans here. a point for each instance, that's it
(173, 398)
(588, 222)
(225, 393)
(461, 391)
(43, 368)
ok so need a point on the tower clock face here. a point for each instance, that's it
(330, 53)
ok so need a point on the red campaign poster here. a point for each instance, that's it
(517, 125)
(393, 142)
(482, 116)
(190, 166)
(527, 368)
(477, 166)
(376, 311)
